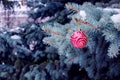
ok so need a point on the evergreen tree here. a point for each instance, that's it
(100, 57)
(41, 48)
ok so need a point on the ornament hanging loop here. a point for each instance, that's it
(78, 24)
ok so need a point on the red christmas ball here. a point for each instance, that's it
(78, 39)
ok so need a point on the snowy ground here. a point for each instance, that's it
(19, 16)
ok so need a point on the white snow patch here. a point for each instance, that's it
(35, 10)
(15, 53)
(22, 8)
(15, 37)
(116, 17)
(83, 14)
(14, 29)
(112, 9)
(3, 63)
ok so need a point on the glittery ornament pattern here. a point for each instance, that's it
(78, 39)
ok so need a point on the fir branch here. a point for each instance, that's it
(55, 33)
(80, 20)
(72, 8)
(87, 23)
(71, 59)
